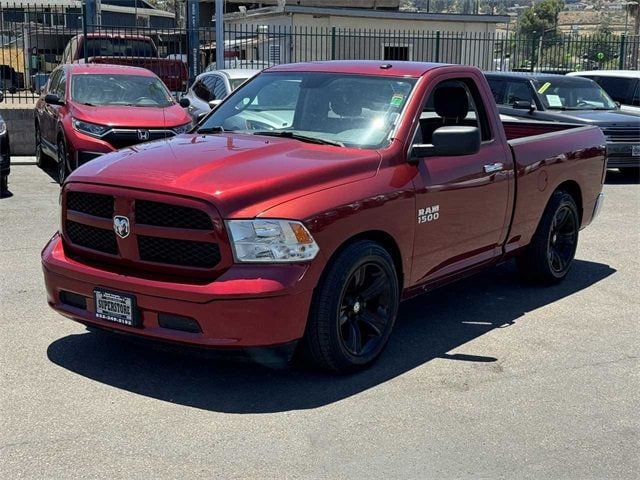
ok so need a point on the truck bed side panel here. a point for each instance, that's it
(544, 162)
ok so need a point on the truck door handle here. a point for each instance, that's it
(493, 167)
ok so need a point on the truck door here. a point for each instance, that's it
(462, 202)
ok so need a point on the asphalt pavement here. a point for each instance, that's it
(486, 378)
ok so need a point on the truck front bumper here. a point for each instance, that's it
(248, 306)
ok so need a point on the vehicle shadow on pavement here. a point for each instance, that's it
(428, 327)
(615, 177)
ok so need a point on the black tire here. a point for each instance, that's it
(631, 172)
(63, 164)
(547, 259)
(41, 157)
(4, 185)
(353, 309)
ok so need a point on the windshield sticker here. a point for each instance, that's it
(544, 87)
(554, 100)
(396, 100)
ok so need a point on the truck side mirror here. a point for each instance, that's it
(53, 99)
(524, 105)
(184, 102)
(450, 142)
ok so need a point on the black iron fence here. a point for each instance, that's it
(35, 39)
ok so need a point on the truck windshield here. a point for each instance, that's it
(130, 90)
(566, 93)
(120, 47)
(332, 108)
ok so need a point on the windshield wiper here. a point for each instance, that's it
(206, 130)
(297, 136)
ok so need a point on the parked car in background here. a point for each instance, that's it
(11, 80)
(125, 49)
(209, 88)
(87, 110)
(5, 156)
(560, 98)
(623, 86)
(38, 81)
(234, 63)
(393, 179)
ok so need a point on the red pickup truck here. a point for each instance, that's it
(130, 50)
(311, 202)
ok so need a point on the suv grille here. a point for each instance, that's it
(121, 138)
(91, 203)
(175, 216)
(185, 253)
(86, 236)
(622, 134)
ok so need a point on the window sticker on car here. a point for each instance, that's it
(543, 88)
(554, 100)
(396, 100)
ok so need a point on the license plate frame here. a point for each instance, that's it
(121, 309)
(635, 150)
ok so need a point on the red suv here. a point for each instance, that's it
(88, 110)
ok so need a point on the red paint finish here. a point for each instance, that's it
(339, 193)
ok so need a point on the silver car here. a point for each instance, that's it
(209, 88)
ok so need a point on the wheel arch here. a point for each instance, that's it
(572, 188)
(385, 240)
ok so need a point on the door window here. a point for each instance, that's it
(516, 92)
(453, 102)
(618, 88)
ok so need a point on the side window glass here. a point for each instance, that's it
(517, 91)
(635, 100)
(209, 82)
(497, 89)
(451, 103)
(53, 82)
(219, 89)
(201, 91)
(62, 85)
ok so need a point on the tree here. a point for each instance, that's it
(542, 16)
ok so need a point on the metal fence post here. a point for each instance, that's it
(438, 46)
(85, 52)
(622, 54)
(333, 43)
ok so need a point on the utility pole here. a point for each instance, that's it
(220, 34)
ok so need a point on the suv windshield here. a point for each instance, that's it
(119, 47)
(131, 90)
(334, 108)
(566, 93)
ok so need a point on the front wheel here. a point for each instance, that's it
(63, 169)
(548, 257)
(353, 309)
(4, 185)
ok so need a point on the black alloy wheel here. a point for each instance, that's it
(353, 310)
(364, 311)
(563, 239)
(548, 257)
(63, 169)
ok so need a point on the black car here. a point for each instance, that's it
(4, 156)
(579, 100)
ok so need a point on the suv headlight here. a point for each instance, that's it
(182, 128)
(271, 241)
(92, 129)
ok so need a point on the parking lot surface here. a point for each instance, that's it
(486, 378)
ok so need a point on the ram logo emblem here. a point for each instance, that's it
(121, 226)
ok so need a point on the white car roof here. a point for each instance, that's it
(608, 73)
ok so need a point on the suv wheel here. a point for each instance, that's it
(353, 309)
(41, 157)
(63, 169)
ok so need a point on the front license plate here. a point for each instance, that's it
(635, 150)
(116, 307)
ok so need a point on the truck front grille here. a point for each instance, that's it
(185, 253)
(174, 216)
(90, 203)
(622, 134)
(93, 238)
(178, 238)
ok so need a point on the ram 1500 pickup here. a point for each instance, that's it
(311, 202)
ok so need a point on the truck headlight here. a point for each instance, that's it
(182, 128)
(271, 241)
(92, 129)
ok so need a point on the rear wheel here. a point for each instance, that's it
(63, 169)
(548, 257)
(4, 185)
(633, 172)
(41, 157)
(353, 309)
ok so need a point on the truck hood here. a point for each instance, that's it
(241, 174)
(609, 118)
(132, 117)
